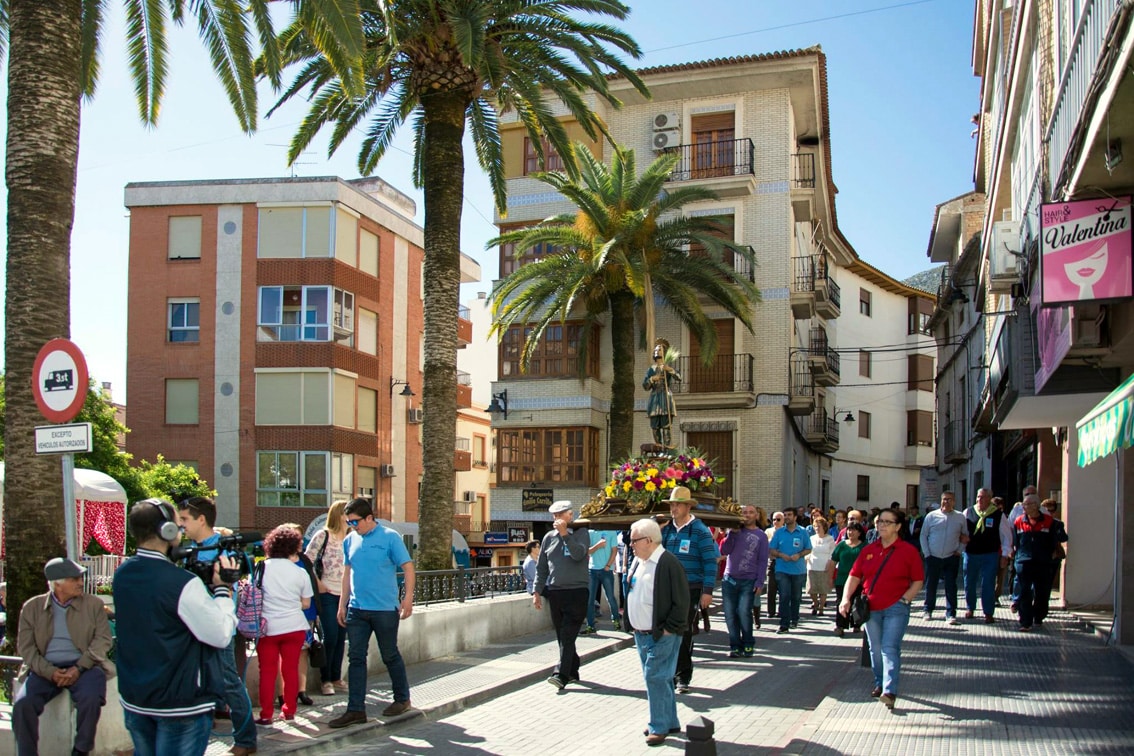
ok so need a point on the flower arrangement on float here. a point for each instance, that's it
(649, 479)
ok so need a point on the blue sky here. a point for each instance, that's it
(901, 94)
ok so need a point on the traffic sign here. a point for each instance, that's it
(63, 439)
(59, 380)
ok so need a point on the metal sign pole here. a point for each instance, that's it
(69, 505)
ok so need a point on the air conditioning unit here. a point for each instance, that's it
(666, 139)
(1003, 254)
(386, 471)
(1088, 334)
(470, 496)
(415, 415)
(667, 121)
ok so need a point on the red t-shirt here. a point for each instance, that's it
(903, 568)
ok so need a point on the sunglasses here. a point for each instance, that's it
(352, 523)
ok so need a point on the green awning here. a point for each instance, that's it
(1109, 426)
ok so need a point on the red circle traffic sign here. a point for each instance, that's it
(59, 380)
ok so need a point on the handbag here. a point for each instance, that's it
(860, 603)
(316, 651)
(318, 567)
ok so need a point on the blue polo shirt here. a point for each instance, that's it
(374, 559)
(790, 543)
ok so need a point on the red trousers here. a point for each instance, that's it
(279, 653)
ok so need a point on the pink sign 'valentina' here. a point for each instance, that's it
(1086, 251)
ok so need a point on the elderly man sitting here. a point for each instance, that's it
(64, 639)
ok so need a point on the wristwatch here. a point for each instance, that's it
(905, 601)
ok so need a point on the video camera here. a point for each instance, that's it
(187, 557)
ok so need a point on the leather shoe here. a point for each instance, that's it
(672, 731)
(875, 693)
(241, 751)
(396, 708)
(655, 740)
(348, 718)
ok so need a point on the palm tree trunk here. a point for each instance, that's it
(42, 155)
(443, 168)
(622, 386)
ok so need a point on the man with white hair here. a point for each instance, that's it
(64, 639)
(563, 577)
(657, 608)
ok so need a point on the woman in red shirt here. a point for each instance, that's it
(891, 574)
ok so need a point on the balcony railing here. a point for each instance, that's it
(464, 313)
(802, 384)
(435, 586)
(728, 373)
(809, 269)
(820, 350)
(834, 293)
(463, 378)
(737, 262)
(821, 430)
(713, 160)
(955, 442)
(1075, 83)
(803, 170)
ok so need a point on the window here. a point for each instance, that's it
(185, 238)
(509, 263)
(557, 355)
(181, 398)
(305, 313)
(714, 144)
(367, 331)
(548, 455)
(911, 495)
(864, 363)
(346, 237)
(368, 252)
(920, 311)
(294, 232)
(367, 410)
(863, 488)
(531, 158)
(293, 398)
(479, 455)
(919, 428)
(344, 398)
(342, 475)
(864, 302)
(184, 320)
(920, 372)
(292, 479)
(366, 477)
(863, 424)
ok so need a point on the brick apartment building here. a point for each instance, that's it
(273, 327)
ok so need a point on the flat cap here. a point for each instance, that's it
(60, 568)
(559, 506)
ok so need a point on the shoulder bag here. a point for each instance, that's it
(316, 651)
(860, 604)
(319, 557)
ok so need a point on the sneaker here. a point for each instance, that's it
(794, 625)
(927, 616)
(328, 689)
(587, 630)
(1025, 628)
(618, 626)
(734, 654)
(348, 718)
(557, 681)
(952, 620)
(396, 708)
(749, 652)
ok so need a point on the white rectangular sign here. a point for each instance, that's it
(63, 439)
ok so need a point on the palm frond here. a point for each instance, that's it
(222, 25)
(94, 13)
(146, 55)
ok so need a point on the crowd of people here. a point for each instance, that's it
(875, 562)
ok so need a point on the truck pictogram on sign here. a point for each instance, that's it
(59, 380)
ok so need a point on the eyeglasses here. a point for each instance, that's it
(640, 538)
(886, 522)
(352, 523)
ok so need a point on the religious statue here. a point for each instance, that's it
(661, 407)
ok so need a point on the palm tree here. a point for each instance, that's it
(626, 244)
(446, 64)
(53, 63)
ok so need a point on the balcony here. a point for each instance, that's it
(812, 290)
(803, 170)
(725, 383)
(462, 455)
(726, 167)
(738, 263)
(464, 390)
(955, 443)
(824, 360)
(464, 326)
(821, 432)
(801, 390)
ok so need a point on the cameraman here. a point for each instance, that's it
(198, 517)
(171, 636)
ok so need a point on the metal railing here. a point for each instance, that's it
(818, 423)
(834, 293)
(1075, 83)
(728, 373)
(712, 159)
(461, 584)
(739, 263)
(807, 269)
(464, 313)
(100, 571)
(801, 383)
(463, 378)
(463, 444)
(803, 170)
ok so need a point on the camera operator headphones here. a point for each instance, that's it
(169, 530)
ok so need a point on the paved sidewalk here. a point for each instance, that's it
(966, 689)
(438, 688)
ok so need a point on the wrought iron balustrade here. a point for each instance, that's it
(706, 160)
(728, 373)
(463, 584)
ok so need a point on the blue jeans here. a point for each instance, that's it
(659, 664)
(884, 631)
(384, 624)
(236, 696)
(982, 569)
(334, 638)
(791, 590)
(168, 736)
(605, 580)
(935, 569)
(737, 598)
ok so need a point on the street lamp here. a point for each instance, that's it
(394, 383)
(499, 404)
